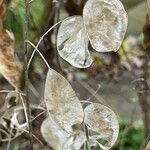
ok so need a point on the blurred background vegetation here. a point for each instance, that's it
(115, 80)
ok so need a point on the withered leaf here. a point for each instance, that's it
(2, 10)
(103, 122)
(62, 103)
(106, 24)
(72, 42)
(8, 63)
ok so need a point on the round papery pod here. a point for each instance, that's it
(62, 102)
(54, 135)
(106, 24)
(72, 42)
(60, 139)
(102, 124)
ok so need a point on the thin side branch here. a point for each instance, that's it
(42, 37)
(39, 53)
(26, 30)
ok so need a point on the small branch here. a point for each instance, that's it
(91, 91)
(26, 30)
(146, 145)
(34, 136)
(58, 7)
(9, 91)
(87, 136)
(32, 55)
(25, 110)
(148, 8)
(31, 1)
(9, 139)
(39, 53)
(144, 94)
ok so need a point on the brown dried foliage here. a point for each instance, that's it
(8, 63)
(2, 9)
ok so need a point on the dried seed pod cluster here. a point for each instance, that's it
(64, 127)
(103, 24)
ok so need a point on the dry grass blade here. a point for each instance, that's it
(39, 42)
(92, 92)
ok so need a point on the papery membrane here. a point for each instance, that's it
(59, 139)
(106, 24)
(102, 123)
(61, 101)
(72, 42)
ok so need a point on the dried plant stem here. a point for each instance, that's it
(31, 1)
(34, 136)
(87, 136)
(32, 55)
(58, 7)
(39, 115)
(39, 53)
(88, 102)
(144, 94)
(148, 8)
(25, 110)
(90, 98)
(9, 91)
(91, 91)
(26, 30)
(4, 132)
(9, 139)
(146, 145)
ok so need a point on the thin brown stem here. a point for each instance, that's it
(58, 7)
(26, 31)
(91, 91)
(39, 53)
(148, 8)
(32, 55)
